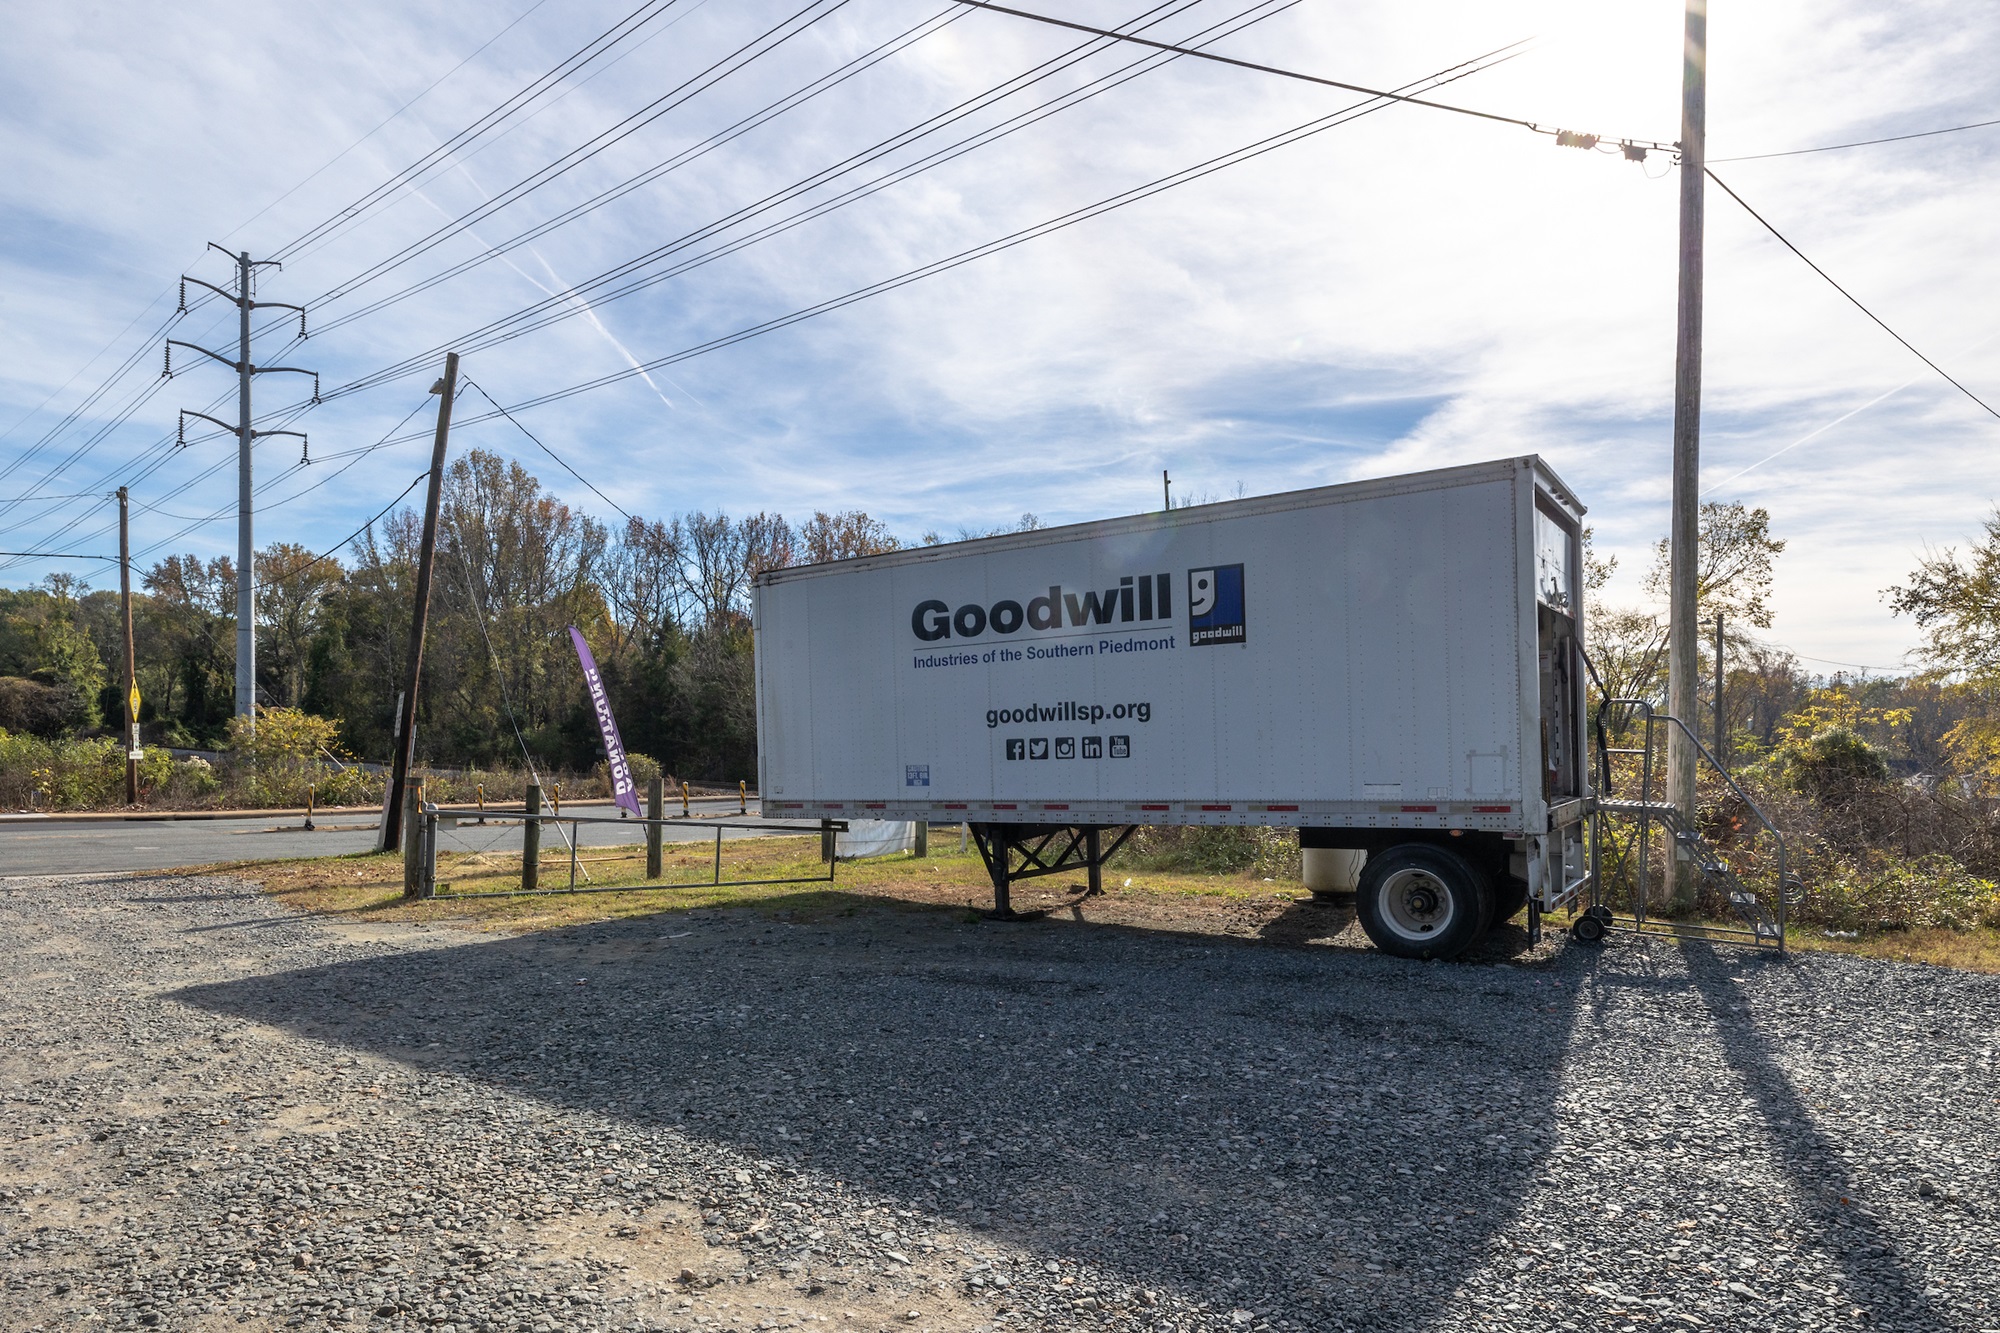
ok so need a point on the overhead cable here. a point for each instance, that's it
(790, 101)
(763, 44)
(1880, 322)
(441, 155)
(1858, 143)
(545, 449)
(1314, 78)
(570, 302)
(381, 124)
(333, 550)
(1246, 153)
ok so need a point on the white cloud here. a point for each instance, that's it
(1412, 290)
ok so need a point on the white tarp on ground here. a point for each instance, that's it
(875, 837)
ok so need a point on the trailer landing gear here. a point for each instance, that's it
(1027, 851)
(1590, 926)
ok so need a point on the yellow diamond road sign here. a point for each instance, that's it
(134, 701)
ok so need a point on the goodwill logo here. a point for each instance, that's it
(1137, 604)
(1215, 605)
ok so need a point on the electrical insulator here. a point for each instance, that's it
(1571, 139)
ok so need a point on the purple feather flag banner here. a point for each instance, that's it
(623, 790)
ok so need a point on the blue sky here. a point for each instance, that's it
(1411, 290)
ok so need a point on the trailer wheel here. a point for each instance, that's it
(1420, 901)
(1510, 895)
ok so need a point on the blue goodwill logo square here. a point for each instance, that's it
(1215, 605)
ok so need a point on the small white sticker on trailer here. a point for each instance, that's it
(1354, 654)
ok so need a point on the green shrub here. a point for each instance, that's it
(1882, 893)
(193, 779)
(348, 786)
(68, 775)
(1829, 765)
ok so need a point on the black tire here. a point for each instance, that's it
(1510, 895)
(1587, 928)
(1421, 901)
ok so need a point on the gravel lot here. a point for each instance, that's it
(216, 1114)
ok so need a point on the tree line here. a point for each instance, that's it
(665, 606)
(664, 603)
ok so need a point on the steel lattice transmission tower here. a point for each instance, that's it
(243, 298)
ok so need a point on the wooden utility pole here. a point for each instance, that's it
(1684, 532)
(1167, 489)
(131, 673)
(406, 731)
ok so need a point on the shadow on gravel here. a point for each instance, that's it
(1310, 919)
(1878, 1278)
(1325, 1135)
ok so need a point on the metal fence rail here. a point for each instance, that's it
(424, 883)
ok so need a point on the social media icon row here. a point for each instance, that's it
(1069, 747)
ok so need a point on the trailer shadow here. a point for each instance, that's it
(1311, 920)
(1322, 1135)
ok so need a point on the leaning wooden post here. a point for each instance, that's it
(413, 846)
(531, 840)
(656, 799)
(923, 843)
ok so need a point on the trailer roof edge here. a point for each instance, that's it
(1368, 488)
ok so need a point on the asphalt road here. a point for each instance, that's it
(37, 845)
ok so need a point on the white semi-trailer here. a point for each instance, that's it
(1393, 667)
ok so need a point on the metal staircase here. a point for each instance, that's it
(1761, 910)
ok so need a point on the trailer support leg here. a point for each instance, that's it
(1042, 850)
(993, 842)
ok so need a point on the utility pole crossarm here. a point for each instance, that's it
(232, 427)
(236, 366)
(288, 370)
(185, 280)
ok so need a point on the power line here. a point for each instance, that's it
(357, 455)
(1137, 193)
(1302, 77)
(789, 102)
(570, 302)
(337, 546)
(588, 52)
(545, 449)
(761, 45)
(1858, 666)
(61, 555)
(1850, 295)
(1858, 143)
(428, 89)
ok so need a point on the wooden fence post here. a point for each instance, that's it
(656, 797)
(531, 841)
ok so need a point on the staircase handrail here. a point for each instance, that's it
(1651, 716)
